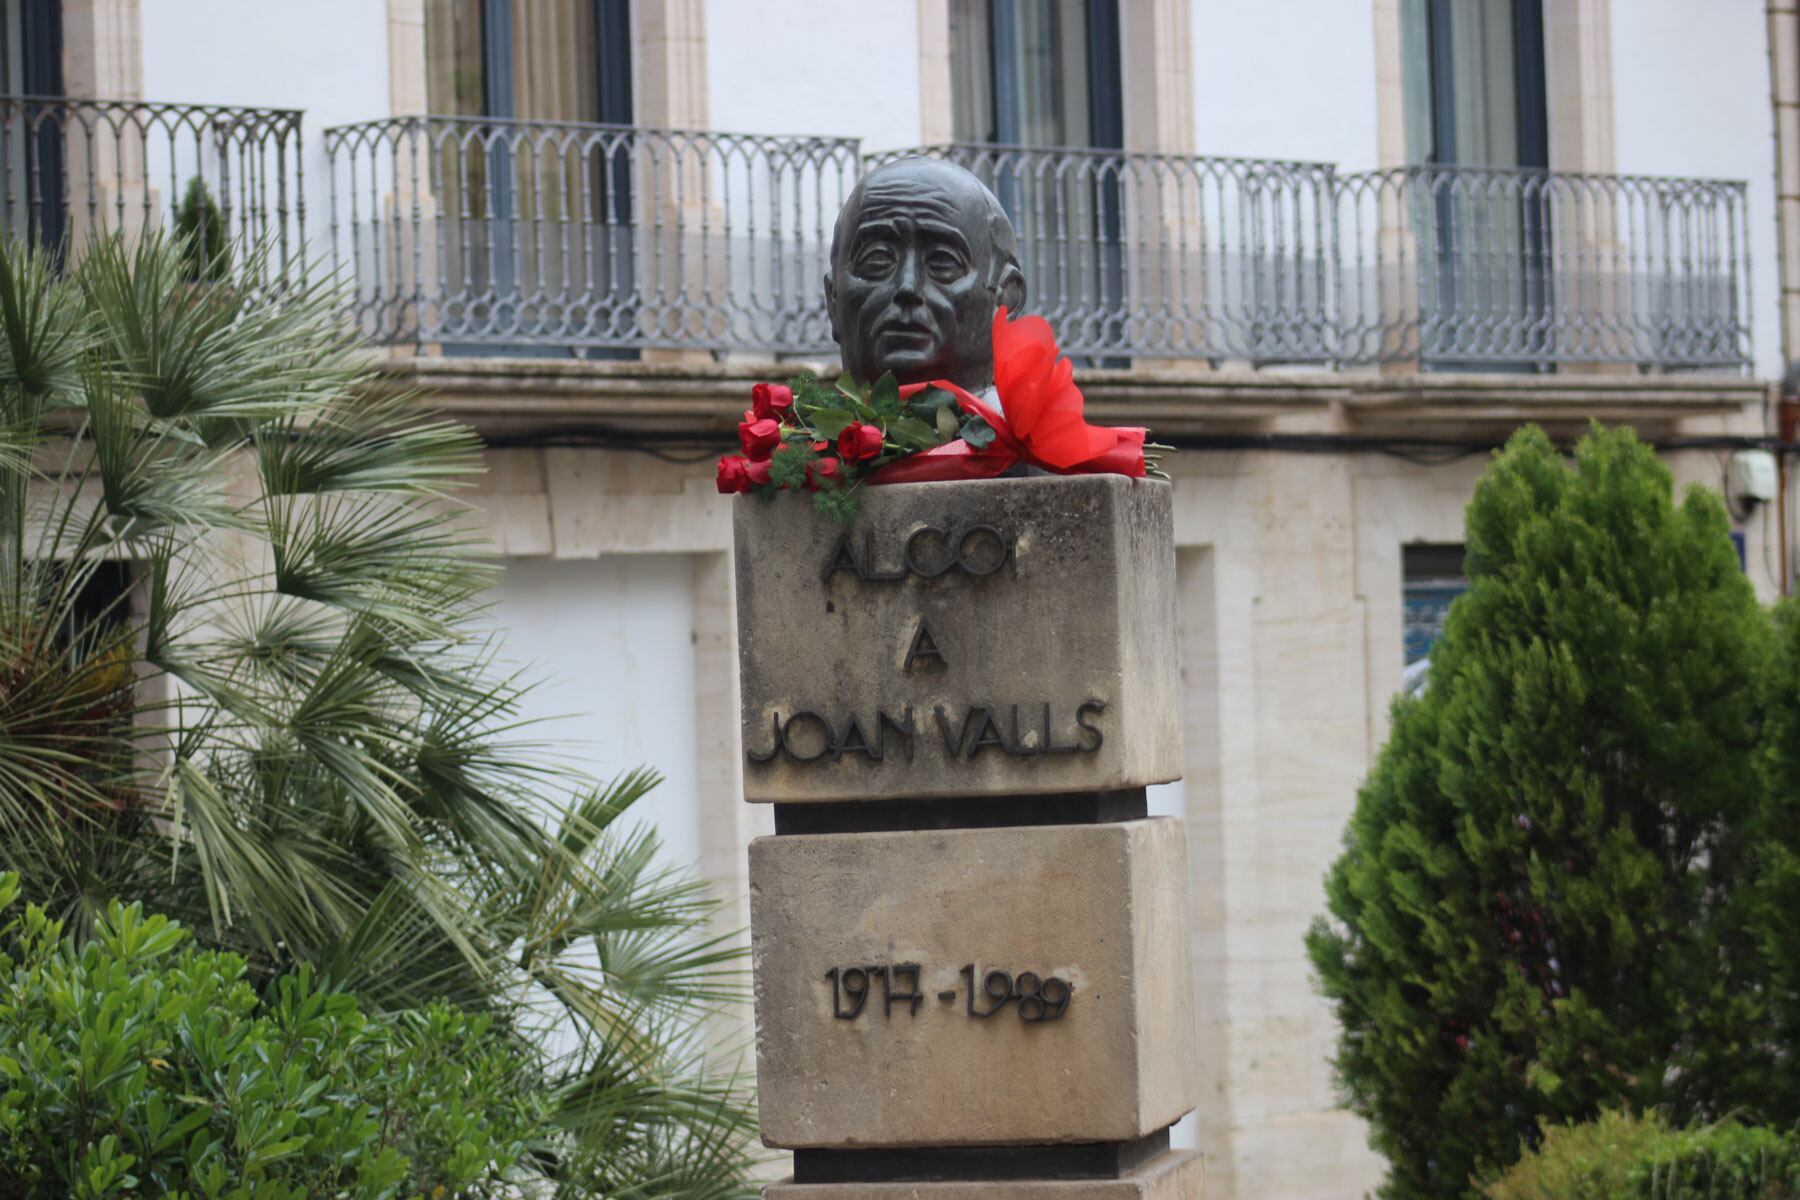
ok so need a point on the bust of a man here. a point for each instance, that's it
(921, 257)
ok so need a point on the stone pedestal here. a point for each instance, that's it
(970, 945)
(972, 986)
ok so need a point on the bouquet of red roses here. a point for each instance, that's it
(833, 439)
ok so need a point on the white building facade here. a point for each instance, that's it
(1335, 250)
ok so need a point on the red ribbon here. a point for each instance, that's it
(1042, 424)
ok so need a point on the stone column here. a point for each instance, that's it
(970, 941)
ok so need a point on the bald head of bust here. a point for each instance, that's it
(921, 257)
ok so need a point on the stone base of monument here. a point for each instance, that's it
(972, 986)
(1171, 1175)
(970, 941)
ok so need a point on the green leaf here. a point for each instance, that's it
(978, 433)
(946, 422)
(831, 422)
(884, 397)
(912, 432)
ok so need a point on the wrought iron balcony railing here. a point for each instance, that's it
(1151, 255)
(474, 233)
(72, 169)
(470, 232)
(1480, 267)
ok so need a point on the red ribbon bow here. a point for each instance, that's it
(1042, 423)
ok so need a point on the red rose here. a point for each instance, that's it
(733, 476)
(772, 400)
(739, 474)
(859, 442)
(821, 472)
(758, 436)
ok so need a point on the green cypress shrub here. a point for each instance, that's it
(200, 231)
(1777, 918)
(1539, 909)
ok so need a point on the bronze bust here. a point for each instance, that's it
(921, 257)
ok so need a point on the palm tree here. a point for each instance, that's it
(244, 678)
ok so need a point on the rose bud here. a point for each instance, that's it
(772, 400)
(757, 473)
(733, 476)
(821, 472)
(859, 442)
(758, 436)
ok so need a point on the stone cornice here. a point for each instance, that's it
(702, 399)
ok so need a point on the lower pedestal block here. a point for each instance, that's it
(972, 987)
(1175, 1175)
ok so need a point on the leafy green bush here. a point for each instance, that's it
(1540, 911)
(1621, 1157)
(1594, 1160)
(134, 1065)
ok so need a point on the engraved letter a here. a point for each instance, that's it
(923, 646)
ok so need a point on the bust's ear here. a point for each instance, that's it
(831, 309)
(1011, 291)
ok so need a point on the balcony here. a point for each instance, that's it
(468, 236)
(1484, 268)
(1160, 256)
(471, 234)
(71, 170)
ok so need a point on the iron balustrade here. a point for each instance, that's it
(72, 170)
(470, 232)
(1479, 267)
(494, 235)
(1153, 255)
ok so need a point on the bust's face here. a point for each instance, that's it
(911, 287)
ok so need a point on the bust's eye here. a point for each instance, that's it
(875, 260)
(946, 265)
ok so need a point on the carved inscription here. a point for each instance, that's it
(1035, 729)
(925, 553)
(985, 993)
(924, 649)
(1023, 731)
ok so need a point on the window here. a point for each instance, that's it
(537, 218)
(1431, 576)
(534, 60)
(31, 160)
(1032, 80)
(1473, 84)
(1036, 72)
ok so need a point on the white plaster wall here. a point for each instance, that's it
(848, 68)
(1691, 97)
(1285, 79)
(329, 57)
(613, 641)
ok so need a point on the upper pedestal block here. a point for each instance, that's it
(1005, 637)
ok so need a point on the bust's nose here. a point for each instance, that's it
(907, 279)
